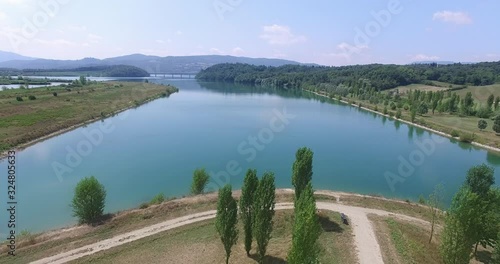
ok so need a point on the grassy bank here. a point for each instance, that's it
(30, 114)
(37, 246)
(200, 243)
(453, 126)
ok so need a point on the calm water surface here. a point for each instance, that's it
(227, 129)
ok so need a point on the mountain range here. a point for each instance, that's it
(152, 64)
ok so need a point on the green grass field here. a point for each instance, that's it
(421, 87)
(27, 120)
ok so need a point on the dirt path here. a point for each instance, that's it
(367, 247)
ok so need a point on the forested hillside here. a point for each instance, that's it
(380, 77)
(97, 71)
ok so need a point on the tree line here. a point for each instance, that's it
(381, 77)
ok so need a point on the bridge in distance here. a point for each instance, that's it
(174, 75)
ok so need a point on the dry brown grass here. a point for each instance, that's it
(199, 243)
(404, 242)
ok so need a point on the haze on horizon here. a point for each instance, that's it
(323, 32)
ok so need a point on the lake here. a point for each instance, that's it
(228, 129)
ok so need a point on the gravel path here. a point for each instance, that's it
(367, 247)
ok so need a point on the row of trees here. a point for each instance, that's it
(473, 218)
(381, 77)
(256, 210)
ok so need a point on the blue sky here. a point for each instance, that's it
(325, 31)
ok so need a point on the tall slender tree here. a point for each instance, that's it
(491, 100)
(302, 170)
(461, 229)
(306, 230)
(226, 219)
(247, 209)
(264, 213)
(435, 200)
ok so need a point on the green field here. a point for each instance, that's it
(421, 87)
(58, 108)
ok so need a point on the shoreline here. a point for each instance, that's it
(441, 133)
(4, 154)
(236, 194)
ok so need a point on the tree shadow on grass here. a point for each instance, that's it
(484, 256)
(269, 259)
(328, 225)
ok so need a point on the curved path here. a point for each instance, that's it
(367, 247)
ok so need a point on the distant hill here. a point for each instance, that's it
(152, 64)
(9, 56)
(440, 62)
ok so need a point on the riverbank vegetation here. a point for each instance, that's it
(95, 71)
(457, 99)
(29, 114)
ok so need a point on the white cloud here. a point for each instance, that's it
(178, 32)
(346, 51)
(93, 38)
(76, 28)
(458, 18)
(423, 57)
(55, 42)
(161, 41)
(237, 51)
(3, 16)
(216, 51)
(280, 35)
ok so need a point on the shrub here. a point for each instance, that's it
(398, 114)
(144, 205)
(200, 180)
(88, 202)
(484, 112)
(19, 98)
(54, 94)
(454, 133)
(482, 124)
(32, 97)
(467, 137)
(158, 199)
(406, 107)
(421, 200)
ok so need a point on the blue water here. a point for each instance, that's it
(156, 147)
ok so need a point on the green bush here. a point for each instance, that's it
(467, 137)
(89, 200)
(398, 114)
(454, 133)
(19, 98)
(32, 97)
(158, 199)
(200, 180)
(144, 205)
(54, 94)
